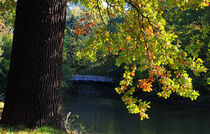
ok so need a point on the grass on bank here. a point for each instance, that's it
(42, 130)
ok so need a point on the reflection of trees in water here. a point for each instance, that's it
(105, 116)
(98, 114)
(92, 88)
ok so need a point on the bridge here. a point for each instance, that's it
(91, 78)
(91, 85)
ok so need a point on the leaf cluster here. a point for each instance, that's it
(136, 33)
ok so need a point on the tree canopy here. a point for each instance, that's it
(135, 31)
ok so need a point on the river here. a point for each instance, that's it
(109, 116)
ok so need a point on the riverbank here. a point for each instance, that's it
(42, 130)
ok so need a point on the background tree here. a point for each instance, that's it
(6, 47)
(78, 16)
(192, 28)
(7, 15)
(33, 89)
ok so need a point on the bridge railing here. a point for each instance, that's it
(93, 78)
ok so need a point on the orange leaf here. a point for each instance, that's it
(125, 86)
(207, 3)
(134, 67)
(113, 16)
(132, 73)
(82, 19)
(106, 34)
(178, 74)
(110, 48)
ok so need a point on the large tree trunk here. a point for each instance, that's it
(33, 91)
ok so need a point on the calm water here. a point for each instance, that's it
(105, 116)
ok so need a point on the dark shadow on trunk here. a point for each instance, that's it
(33, 90)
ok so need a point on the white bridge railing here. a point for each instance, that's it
(92, 78)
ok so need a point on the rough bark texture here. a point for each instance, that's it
(33, 91)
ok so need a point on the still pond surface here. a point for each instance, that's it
(106, 116)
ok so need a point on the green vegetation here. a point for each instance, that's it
(192, 28)
(140, 36)
(6, 47)
(42, 130)
(70, 126)
(7, 15)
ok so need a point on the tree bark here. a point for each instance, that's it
(33, 90)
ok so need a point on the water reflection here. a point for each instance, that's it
(105, 116)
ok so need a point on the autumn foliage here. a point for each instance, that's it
(134, 31)
(84, 26)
